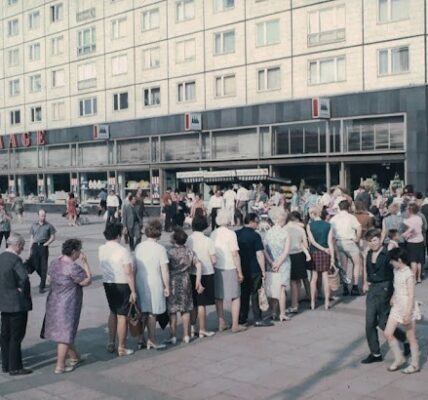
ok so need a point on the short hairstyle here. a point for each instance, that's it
(71, 195)
(394, 208)
(315, 211)
(277, 214)
(360, 206)
(392, 233)
(15, 239)
(71, 245)
(398, 254)
(154, 229)
(251, 217)
(414, 208)
(199, 223)
(222, 218)
(41, 210)
(179, 236)
(419, 195)
(113, 230)
(131, 196)
(294, 216)
(344, 205)
(372, 233)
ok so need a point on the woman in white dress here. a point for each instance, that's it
(405, 311)
(152, 279)
(277, 251)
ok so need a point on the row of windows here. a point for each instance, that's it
(327, 70)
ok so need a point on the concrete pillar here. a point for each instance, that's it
(21, 185)
(49, 185)
(327, 176)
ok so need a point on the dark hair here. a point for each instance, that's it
(360, 206)
(154, 229)
(392, 233)
(413, 208)
(294, 216)
(408, 189)
(71, 195)
(321, 189)
(419, 195)
(344, 205)
(251, 217)
(199, 223)
(399, 253)
(179, 236)
(312, 190)
(130, 196)
(71, 245)
(372, 233)
(113, 230)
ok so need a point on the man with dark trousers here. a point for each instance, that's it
(15, 302)
(253, 268)
(378, 283)
(42, 235)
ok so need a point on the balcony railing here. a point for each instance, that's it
(85, 14)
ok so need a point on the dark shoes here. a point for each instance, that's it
(406, 349)
(372, 359)
(345, 290)
(263, 323)
(355, 291)
(21, 371)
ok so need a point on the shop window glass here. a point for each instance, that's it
(296, 140)
(177, 148)
(132, 151)
(265, 142)
(282, 139)
(57, 156)
(4, 160)
(206, 146)
(335, 137)
(367, 137)
(382, 136)
(25, 158)
(93, 154)
(235, 144)
(311, 139)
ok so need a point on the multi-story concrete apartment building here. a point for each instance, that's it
(73, 71)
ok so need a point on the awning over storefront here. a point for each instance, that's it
(234, 176)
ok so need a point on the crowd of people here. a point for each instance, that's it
(377, 240)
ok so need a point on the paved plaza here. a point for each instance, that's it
(315, 356)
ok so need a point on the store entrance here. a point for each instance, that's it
(4, 183)
(309, 175)
(29, 185)
(383, 173)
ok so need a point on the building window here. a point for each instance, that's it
(13, 56)
(393, 10)
(56, 12)
(225, 86)
(35, 83)
(151, 58)
(34, 20)
(267, 33)
(86, 41)
(269, 79)
(12, 27)
(150, 19)
(34, 52)
(12, 2)
(15, 117)
(224, 42)
(87, 76)
(185, 51)
(327, 70)
(186, 91)
(393, 61)
(223, 5)
(58, 78)
(118, 28)
(36, 114)
(120, 101)
(119, 65)
(151, 96)
(88, 107)
(57, 45)
(326, 25)
(185, 10)
(58, 111)
(14, 87)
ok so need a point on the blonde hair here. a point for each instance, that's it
(315, 211)
(223, 218)
(277, 214)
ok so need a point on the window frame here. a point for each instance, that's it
(92, 46)
(149, 50)
(56, 115)
(266, 71)
(14, 87)
(33, 79)
(31, 20)
(150, 12)
(223, 8)
(264, 23)
(13, 115)
(389, 19)
(149, 90)
(34, 113)
(318, 62)
(119, 56)
(32, 51)
(222, 78)
(184, 2)
(56, 12)
(93, 102)
(118, 96)
(390, 64)
(184, 84)
(118, 22)
(318, 12)
(12, 52)
(55, 44)
(13, 27)
(222, 33)
(53, 75)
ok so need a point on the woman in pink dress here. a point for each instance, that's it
(71, 209)
(64, 302)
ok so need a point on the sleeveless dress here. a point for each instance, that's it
(401, 295)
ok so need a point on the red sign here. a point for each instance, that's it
(41, 138)
(26, 139)
(13, 143)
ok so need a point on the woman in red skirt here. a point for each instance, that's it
(322, 250)
(71, 209)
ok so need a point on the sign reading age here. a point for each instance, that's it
(25, 139)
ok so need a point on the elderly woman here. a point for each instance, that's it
(277, 253)
(204, 249)
(321, 238)
(392, 221)
(228, 273)
(152, 280)
(414, 236)
(64, 302)
(181, 261)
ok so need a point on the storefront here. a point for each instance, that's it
(378, 133)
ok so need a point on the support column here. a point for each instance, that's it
(49, 185)
(342, 175)
(120, 181)
(21, 185)
(327, 176)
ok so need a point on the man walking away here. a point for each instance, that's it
(167, 209)
(253, 268)
(112, 207)
(378, 278)
(131, 222)
(42, 235)
(15, 302)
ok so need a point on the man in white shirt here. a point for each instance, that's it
(347, 234)
(242, 199)
(229, 197)
(112, 206)
(215, 204)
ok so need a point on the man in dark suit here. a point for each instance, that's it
(15, 302)
(131, 222)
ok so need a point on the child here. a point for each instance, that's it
(405, 310)
(393, 237)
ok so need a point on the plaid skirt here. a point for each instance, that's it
(321, 261)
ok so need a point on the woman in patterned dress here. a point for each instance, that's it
(180, 300)
(64, 302)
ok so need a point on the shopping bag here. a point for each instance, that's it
(105, 216)
(134, 318)
(333, 278)
(263, 300)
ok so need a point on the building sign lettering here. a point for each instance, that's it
(22, 140)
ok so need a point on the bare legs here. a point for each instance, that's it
(117, 326)
(185, 317)
(417, 270)
(314, 281)
(295, 291)
(236, 305)
(282, 302)
(64, 350)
